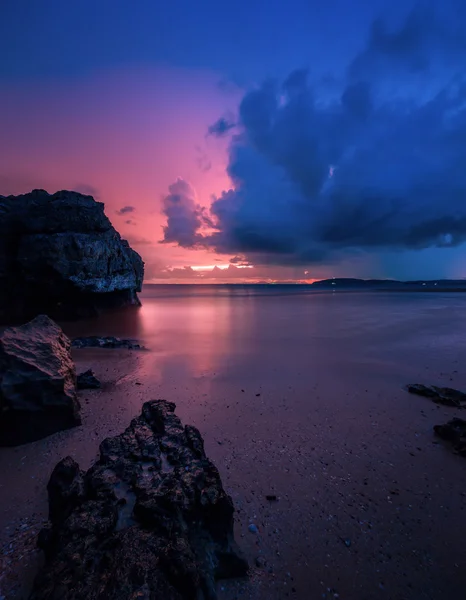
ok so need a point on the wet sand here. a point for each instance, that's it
(369, 506)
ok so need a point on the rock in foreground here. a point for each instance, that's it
(37, 382)
(88, 381)
(439, 395)
(454, 432)
(60, 255)
(149, 520)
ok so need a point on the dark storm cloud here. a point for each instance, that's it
(125, 210)
(221, 127)
(380, 165)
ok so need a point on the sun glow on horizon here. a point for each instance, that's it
(223, 267)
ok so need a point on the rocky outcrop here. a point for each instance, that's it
(87, 381)
(440, 395)
(60, 255)
(149, 520)
(454, 432)
(108, 341)
(37, 382)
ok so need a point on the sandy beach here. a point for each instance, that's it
(296, 397)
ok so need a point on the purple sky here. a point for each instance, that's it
(276, 141)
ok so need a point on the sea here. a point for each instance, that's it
(252, 328)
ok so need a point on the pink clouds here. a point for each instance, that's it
(124, 136)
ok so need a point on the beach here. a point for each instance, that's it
(299, 397)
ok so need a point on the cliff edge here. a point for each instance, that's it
(61, 256)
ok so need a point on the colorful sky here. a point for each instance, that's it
(274, 141)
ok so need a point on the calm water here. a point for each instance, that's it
(247, 330)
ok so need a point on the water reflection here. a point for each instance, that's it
(125, 323)
(194, 334)
(188, 334)
(223, 331)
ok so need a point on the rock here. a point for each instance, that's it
(150, 519)
(439, 395)
(260, 562)
(95, 341)
(271, 498)
(454, 432)
(253, 528)
(60, 255)
(87, 381)
(37, 382)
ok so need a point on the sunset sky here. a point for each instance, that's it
(275, 141)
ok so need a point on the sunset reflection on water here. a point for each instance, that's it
(200, 330)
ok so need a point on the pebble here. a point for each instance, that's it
(253, 528)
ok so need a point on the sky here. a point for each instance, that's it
(248, 141)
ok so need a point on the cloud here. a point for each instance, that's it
(318, 176)
(221, 127)
(183, 215)
(125, 210)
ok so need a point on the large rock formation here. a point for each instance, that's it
(60, 255)
(37, 382)
(149, 520)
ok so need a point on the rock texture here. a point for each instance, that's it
(60, 255)
(454, 432)
(37, 382)
(439, 395)
(96, 341)
(87, 381)
(150, 520)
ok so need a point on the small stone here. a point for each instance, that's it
(87, 381)
(260, 562)
(253, 528)
(271, 498)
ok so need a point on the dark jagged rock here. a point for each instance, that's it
(454, 432)
(439, 395)
(149, 520)
(95, 341)
(60, 255)
(37, 382)
(87, 381)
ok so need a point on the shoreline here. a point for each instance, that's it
(336, 498)
(300, 400)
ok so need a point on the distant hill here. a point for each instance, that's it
(342, 283)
